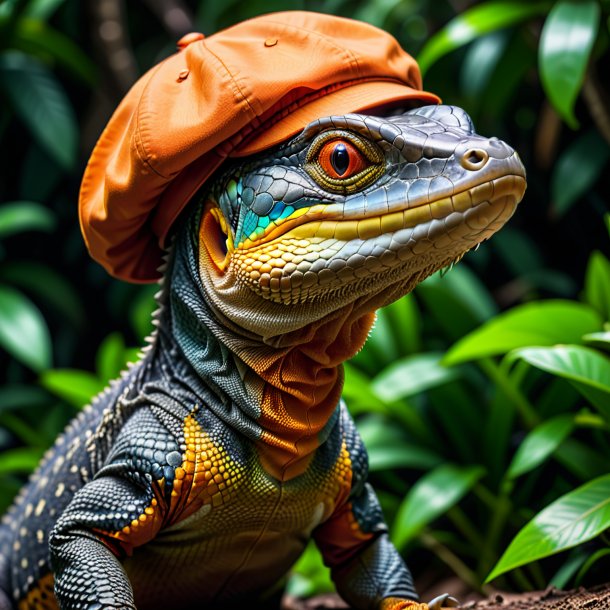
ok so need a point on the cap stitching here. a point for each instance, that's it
(141, 117)
(233, 80)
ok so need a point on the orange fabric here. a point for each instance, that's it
(236, 92)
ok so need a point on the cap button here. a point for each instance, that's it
(270, 42)
(187, 39)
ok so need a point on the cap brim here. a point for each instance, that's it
(355, 98)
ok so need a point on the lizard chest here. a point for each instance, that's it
(230, 523)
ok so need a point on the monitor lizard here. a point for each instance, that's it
(198, 477)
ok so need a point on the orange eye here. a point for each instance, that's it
(340, 159)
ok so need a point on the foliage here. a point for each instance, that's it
(483, 397)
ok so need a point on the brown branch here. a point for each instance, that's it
(111, 38)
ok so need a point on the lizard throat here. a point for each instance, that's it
(281, 389)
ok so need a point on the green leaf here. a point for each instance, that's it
(388, 447)
(18, 216)
(571, 178)
(480, 61)
(571, 520)
(582, 460)
(458, 301)
(74, 386)
(37, 38)
(47, 285)
(42, 9)
(566, 41)
(584, 367)
(597, 284)
(475, 22)
(23, 331)
(539, 323)
(14, 396)
(600, 340)
(411, 375)
(358, 394)
(111, 357)
(540, 444)
(433, 495)
(23, 460)
(404, 317)
(142, 308)
(41, 103)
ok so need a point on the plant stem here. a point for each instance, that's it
(454, 562)
(505, 384)
(465, 526)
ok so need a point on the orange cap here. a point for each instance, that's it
(231, 94)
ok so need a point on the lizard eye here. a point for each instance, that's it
(341, 159)
(343, 162)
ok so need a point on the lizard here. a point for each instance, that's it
(198, 477)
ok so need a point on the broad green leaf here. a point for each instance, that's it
(571, 520)
(458, 301)
(518, 252)
(388, 447)
(566, 41)
(569, 568)
(74, 386)
(404, 317)
(309, 576)
(539, 323)
(480, 62)
(376, 12)
(571, 178)
(582, 460)
(597, 284)
(23, 460)
(42, 9)
(382, 343)
(411, 375)
(142, 308)
(475, 22)
(41, 103)
(110, 359)
(600, 340)
(591, 561)
(37, 38)
(23, 331)
(540, 444)
(47, 285)
(40, 174)
(15, 396)
(358, 394)
(18, 216)
(433, 495)
(585, 368)
(406, 456)
(504, 83)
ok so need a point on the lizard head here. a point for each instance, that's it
(356, 206)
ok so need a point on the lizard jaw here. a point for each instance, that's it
(319, 259)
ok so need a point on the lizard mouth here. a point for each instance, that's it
(482, 197)
(315, 259)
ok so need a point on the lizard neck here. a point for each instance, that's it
(279, 384)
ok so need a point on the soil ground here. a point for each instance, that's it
(597, 598)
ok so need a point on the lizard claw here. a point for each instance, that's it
(443, 601)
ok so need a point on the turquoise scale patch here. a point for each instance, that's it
(277, 210)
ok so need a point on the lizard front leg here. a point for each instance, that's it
(366, 568)
(104, 521)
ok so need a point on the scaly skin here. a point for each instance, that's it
(199, 476)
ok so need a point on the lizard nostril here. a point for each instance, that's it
(474, 158)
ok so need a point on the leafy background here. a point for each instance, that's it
(484, 397)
